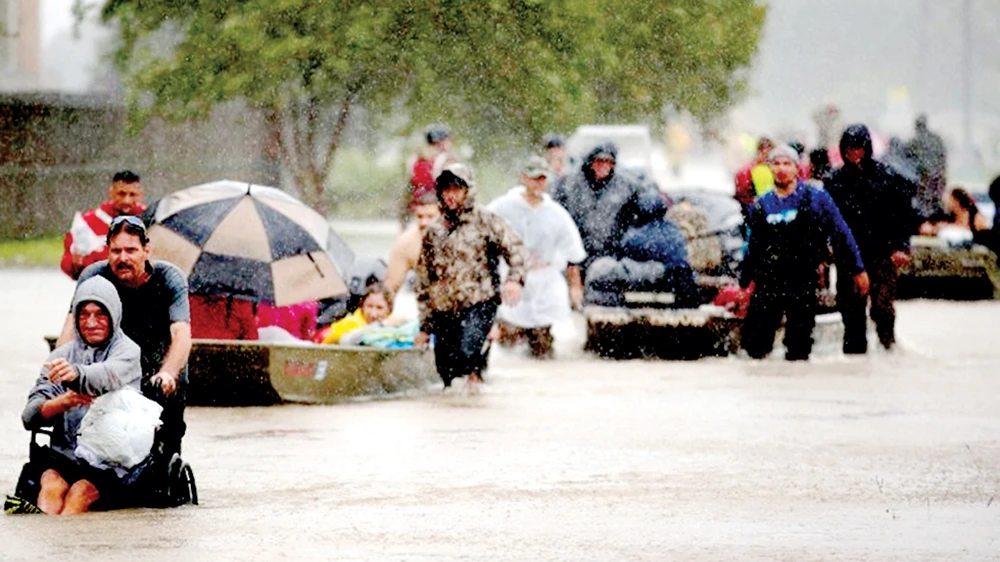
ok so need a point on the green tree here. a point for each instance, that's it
(508, 68)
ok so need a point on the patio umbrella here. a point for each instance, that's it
(249, 241)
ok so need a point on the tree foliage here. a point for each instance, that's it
(507, 68)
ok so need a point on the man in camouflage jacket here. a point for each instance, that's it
(458, 278)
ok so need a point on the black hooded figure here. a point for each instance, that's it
(991, 237)
(876, 204)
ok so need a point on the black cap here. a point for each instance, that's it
(552, 140)
(126, 176)
(437, 133)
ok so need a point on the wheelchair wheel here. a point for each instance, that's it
(181, 487)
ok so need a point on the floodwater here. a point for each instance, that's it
(886, 457)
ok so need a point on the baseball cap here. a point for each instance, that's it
(537, 167)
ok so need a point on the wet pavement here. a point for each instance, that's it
(885, 457)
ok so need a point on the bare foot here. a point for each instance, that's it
(473, 385)
(52, 494)
(50, 501)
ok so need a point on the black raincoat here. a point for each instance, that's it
(873, 199)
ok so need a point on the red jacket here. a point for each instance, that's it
(745, 192)
(222, 318)
(422, 178)
(87, 238)
(297, 319)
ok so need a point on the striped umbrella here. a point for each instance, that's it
(249, 241)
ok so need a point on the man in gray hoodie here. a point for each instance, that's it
(99, 359)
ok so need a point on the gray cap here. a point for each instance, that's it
(783, 150)
(537, 167)
(460, 171)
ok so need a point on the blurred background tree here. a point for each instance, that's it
(508, 70)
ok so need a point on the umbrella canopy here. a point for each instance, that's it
(249, 241)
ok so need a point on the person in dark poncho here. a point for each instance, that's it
(602, 201)
(991, 237)
(875, 203)
(931, 158)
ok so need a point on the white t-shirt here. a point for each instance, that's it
(552, 242)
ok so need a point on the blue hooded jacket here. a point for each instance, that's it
(654, 238)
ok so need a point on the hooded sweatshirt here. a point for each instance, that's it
(603, 210)
(102, 368)
(460, 256)
(874, 200)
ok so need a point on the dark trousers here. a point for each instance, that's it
(460, 346)
(173, 426)
(853, 307)
(796, 303)
(539, 340)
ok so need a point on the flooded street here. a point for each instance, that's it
(888, 457)
(670, 143)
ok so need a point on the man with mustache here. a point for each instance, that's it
(155, 314)
(85, 242)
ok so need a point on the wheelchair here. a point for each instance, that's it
(157, 482)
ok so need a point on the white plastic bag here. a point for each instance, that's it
(118, 429)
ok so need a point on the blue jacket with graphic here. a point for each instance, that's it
(790, 237)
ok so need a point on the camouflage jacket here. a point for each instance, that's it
(459, 262)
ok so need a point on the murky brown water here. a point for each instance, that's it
(889, 457)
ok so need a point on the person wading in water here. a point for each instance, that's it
(458, 279)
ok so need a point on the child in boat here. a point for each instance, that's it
(961, 222)
(376, 304)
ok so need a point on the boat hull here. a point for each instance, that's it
(229, 373)
(936, 270)
(685, 334)
(252, 373)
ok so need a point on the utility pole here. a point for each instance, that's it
(922, 89)
(967, 43)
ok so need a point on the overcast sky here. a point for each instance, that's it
(858, 54)
(56, 16)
